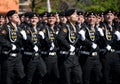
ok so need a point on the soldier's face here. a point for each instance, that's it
(2, 21)
(92, 19)
(34, 20)
(109, 17)
(98, 19)
(73, 17)
(51, 20)
(63, 19)
(15, 18)
(81, 19)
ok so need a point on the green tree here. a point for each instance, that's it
(100, 5)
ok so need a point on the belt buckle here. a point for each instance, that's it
(72, 53)
(36, 54)
(112, 50)
(52, 53)
(13, 54)
(94, 54)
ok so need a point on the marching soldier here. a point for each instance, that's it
(111, 62)
(67, 38)
(89, 37)
(11, 44)
(51, 47)
(2, 21)
(32, 54)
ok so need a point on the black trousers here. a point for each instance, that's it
(92, 65)
(52, 76)
(34, 64)
(12, 69)
(70, 69)
(111, 68)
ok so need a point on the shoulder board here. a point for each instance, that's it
(3, 31)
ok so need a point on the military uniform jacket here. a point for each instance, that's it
(33, 38)
(50, 36)
(67, 36)
(92, 36)
(10, 35)
(109, 31)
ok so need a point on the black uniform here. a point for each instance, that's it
(111, 62)
(12, 59)
(69, 64)
(51, 56)
(90, 57)
(34, 61)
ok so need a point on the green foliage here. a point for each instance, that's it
(101, 5)
(92, 5)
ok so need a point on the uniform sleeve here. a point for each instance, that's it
(3, 41)
(62, 37)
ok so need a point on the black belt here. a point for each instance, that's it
(89, 53)
(44, 52)
(28, 53)
(6, 52)
(66, 53)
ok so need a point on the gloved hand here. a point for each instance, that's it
(117, 33)
(108, 47)
(72, 48)
(23, 33)
(82, 33)
(36, 48)
(52, 46)
(42, 34)
(101, 32)
(94, 46)
(13, 47)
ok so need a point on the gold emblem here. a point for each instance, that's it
(44, 31)
(65, 30)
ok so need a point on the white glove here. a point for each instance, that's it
(94, 46)
(117, 33)
(72, 48)
(42, 34)
(108, 47)
(101, 32)
(35, 48)
(57, 32)
(13, 46)
(23, 34)
(52, 46)
(82, 33)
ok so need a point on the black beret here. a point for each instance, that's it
(51, 14)
(33, 14)
(20, 15)
(27, 14)
(109, 11)
(69, 12)
(11, 12)
(44, 14)
(118, 15)
(91, 13)
(2, 16)
(62, 13)
(80, 13)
